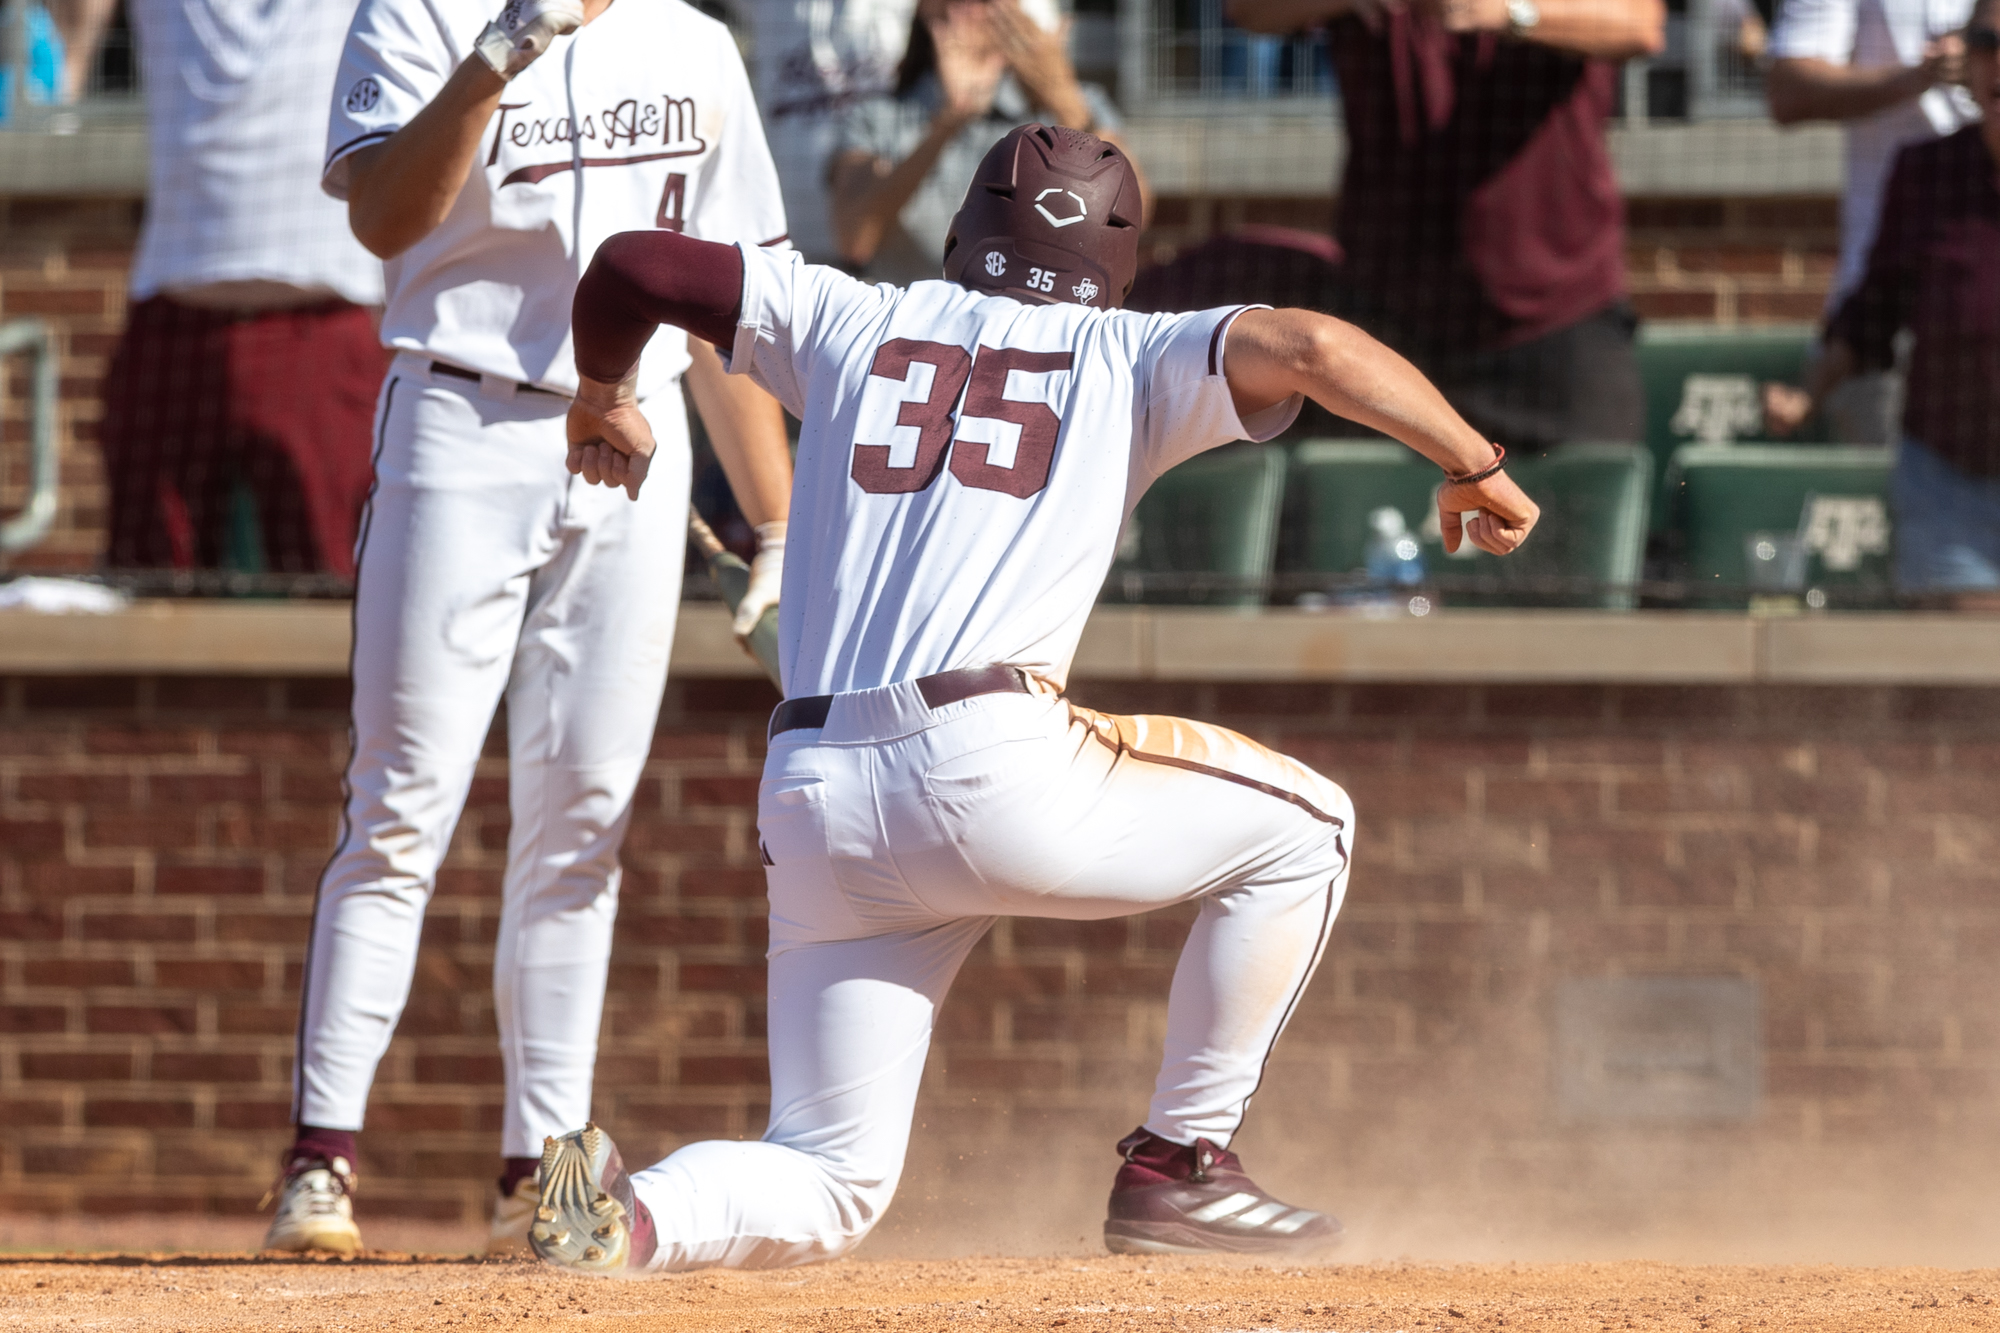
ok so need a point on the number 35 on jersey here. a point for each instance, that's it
(1002, 439)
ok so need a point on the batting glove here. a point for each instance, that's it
(767, 572)
(523, 31)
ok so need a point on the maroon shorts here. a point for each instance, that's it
(203, 405)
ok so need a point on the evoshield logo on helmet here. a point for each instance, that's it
(1052, 214)
(1082, 209)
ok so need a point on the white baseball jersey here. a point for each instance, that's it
(645, 112)
(1011, 439)
(236, 96)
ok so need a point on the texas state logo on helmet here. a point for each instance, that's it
(1052, 215)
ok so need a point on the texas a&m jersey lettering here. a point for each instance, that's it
(996, 442)
(665, 126)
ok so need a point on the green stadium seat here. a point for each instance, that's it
(243, 546)
(1587, 551)
(1336, 484)
(1702, 385)
(1215, 515)
(1834, 498)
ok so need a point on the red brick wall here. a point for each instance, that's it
(64, 261)
(160, 840)
(1732, 261)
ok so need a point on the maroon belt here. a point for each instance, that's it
(459, 373)
(947, 687)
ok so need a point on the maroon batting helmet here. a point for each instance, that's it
(1052, 215)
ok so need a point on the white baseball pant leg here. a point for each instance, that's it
(897, 833)
(486, 569)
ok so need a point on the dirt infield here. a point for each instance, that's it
(199, 1293)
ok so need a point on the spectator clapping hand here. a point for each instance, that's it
(969, 60)
(1944, 60)
(1039, 58)
(973, 68)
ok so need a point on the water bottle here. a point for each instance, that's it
(1394, 557)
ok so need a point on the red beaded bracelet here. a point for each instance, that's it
(1499, 461)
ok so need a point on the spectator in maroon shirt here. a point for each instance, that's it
(1483, 229)
(1935, 270)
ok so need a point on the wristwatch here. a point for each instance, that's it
(1522, 16)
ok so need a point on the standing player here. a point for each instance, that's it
(487, 161)
(970, 449)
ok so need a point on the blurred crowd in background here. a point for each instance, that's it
(1479, 231)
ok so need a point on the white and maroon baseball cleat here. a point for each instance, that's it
(315, 1210)
(1195, 1199)
(587, 1219)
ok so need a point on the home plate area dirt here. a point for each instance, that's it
(198, 1293)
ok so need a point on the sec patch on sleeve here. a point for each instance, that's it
(363, 96)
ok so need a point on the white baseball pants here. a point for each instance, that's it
(487, 571)
(897, 833)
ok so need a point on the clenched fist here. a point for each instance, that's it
(610, 441)
(1492, 514)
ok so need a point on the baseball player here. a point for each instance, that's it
(486, 159)
(970, 450)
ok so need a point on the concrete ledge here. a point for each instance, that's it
(98, 161)
(1143, 643)
(1296, 155)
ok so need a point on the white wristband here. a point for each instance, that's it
(496, 48)
(511, 42)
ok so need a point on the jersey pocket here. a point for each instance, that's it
(806, 902)
(991, 768)
(791, 819)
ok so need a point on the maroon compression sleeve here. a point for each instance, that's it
(642, 279)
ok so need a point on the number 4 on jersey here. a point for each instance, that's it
(673, 200)
(979, 427)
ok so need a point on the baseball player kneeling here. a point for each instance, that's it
(970, 450)
(487, 159)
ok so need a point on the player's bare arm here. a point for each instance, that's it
(747, 428)
(1801, 88)
(1602, 29)
(400, 189)
(1273, 354)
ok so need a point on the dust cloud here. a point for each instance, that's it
(1461, 1156)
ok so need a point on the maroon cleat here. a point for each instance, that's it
(1171, 1199)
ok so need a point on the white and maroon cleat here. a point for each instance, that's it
(315, 1212)
(1175, 1199)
